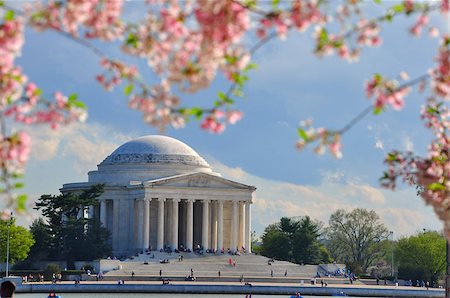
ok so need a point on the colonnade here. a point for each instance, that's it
(214, 235)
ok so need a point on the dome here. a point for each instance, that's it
(155, 149)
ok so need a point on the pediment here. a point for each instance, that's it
(197, 180)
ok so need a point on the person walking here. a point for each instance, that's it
(160, 272)
(271, 273)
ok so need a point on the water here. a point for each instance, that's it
(128, 295)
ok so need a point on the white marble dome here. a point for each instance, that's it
(148, 157)
(155, 149)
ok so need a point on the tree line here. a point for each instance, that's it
(361, 241)
(64, 233)
(357, 238)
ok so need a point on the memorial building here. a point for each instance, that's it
(160, 194)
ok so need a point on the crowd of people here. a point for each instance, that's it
(32, 278)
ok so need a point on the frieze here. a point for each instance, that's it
(154, 158)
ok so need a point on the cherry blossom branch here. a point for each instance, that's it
(213, 122)
(369, 109)
(226, 98)
(385, 91)
(355, 120)
(253, 8)
(391, 12)
(65, 34)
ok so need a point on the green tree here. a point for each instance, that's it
(41, 234)
(305, 246)
(294, 240)
(74, 237)
(275, 243)
(20, 241)
(421, 257)
(355, 238)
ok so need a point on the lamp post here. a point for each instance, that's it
(7, 246)
(391, 233)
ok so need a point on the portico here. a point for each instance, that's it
(157, 198)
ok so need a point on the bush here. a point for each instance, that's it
(50, 270)
(72, 272)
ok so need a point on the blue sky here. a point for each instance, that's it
(289, 85)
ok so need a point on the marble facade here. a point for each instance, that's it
(160, 193)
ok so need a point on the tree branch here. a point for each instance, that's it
(367, 110)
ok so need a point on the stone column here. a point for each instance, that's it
(146, 237)
(220, 225)
(115, 229)
(241, 233)
(140, 223)
(248, 227)
(160, 237)
(174, 244)
(213, 232)
(190, 224)
(132, 244)
(234, 226)
(103, 219)
(205, 225)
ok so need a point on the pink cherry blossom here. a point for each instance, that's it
(101, 19)
(440, 75)
(433, 32)
(5, 214)
(335, 148)
(422, 20)
(234, 116)
(212, 125)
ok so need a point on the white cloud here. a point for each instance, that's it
(364, 191)
(88, 151)
(62, 156)
(401, 211)
(379, 144)
(84, 144)
(406, 219)
(333, 176)
(283, 124)
(408, 144)
(232, 173)
(44, 149)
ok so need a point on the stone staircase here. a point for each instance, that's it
(208, 267)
